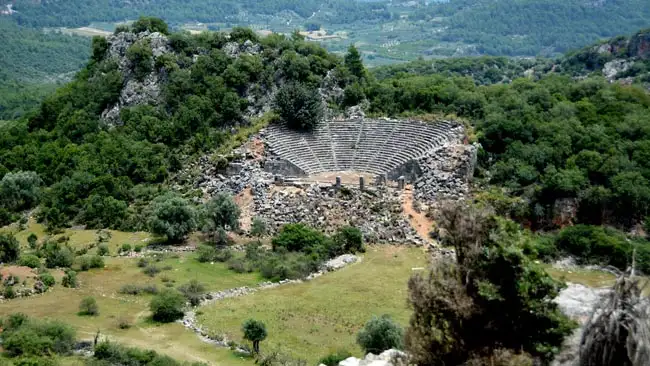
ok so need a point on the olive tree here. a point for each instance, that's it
(254, 331)
(172, 216)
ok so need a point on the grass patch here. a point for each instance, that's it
(115, 308)
(590, 278)
(315, 318)
(80, 238)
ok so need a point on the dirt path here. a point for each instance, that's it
(245, 202)
(418, 220)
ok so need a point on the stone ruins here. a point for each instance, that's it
(346, 172)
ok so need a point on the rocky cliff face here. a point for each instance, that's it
(640, 45)
(135, 91)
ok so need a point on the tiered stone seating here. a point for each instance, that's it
(372, 146)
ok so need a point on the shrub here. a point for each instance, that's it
(193, 292)
(239, 265)
(69, 279)
(23, 336)
(349, 239)
(380, 334)
(30, 260)
(102, 249)
(57, 255)
(143, 262)
(167, 306)
(84, 263)
(123, 323)
(47, 279)
(149, 289)
(595, 245)
(9, 248)
(221, 212)
(137, 248)
(129, 289)
(11, 280)
(125, 248)
(32, 240)
(9, 292)
(333, 359)
(151, 270)
(150, 24)
(298, 238)
(96, 262)
(88, 306)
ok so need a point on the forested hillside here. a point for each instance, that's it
(532, 27)
(96, 167)
(33, 63)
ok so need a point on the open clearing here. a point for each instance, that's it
(314, 318)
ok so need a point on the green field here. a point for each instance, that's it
(314, 318)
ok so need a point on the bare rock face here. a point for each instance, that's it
(615, 67)
(640, 45)
(135, 92)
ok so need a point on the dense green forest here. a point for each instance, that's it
(94, 174)
(532, 27)
(33, 63)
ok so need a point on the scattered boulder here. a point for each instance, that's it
(391, 357)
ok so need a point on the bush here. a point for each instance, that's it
(150, 24)
(32, 240)
(207, 253)
(96, 262)
(102, 249)
(23, 336)
(130, 289)
(380, 334)
(151, 270)
(193, 292)
(123, 323)
(137, 248)
(30, 260)
(300, 107)
(69, 279)
(143, 262)
(57, 255)
(9, 292)
(167, 306)
(349, 239)
(9, 248)
(125, 248)
(299, 238)
(108, 353)
(88, 306)
(239, 265)
(47, 279)
(333, 359)
(595, 245)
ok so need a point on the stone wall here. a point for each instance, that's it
(283, 167)
(411, 171)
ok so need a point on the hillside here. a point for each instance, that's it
(33, 63)
(190, 195)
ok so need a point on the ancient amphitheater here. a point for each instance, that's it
(375, 146)
(395, 169)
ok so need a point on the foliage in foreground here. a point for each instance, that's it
(618, 331)
(492, 297)
(23, 336)
(109, 353)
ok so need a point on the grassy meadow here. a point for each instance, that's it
(312, 319)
